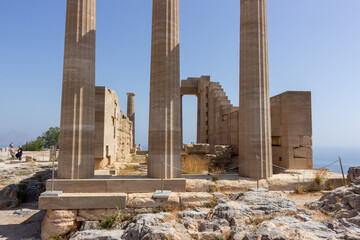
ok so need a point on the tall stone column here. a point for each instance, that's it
(255, 155)
(164, 120)
(131, 111)
(77, 126)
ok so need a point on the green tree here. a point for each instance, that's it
(34, 145)
(51, 137)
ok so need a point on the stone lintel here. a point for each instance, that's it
(68, 201)
(116, 185)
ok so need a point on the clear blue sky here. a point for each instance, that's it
(313, 46)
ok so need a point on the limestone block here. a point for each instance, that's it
(141, 200)
(199, 185)
(194, 199)
(96, 214)
(305, 141)
(302, 163)
(223, 151)
(57, 222)
(145, 200)
(353, 172)
(302, 152)
(29, 159)
(198, 148)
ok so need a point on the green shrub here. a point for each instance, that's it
(35, 145)
(107, 223)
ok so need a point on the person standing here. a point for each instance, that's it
(12, 152)
(20, 152)
(139, 148)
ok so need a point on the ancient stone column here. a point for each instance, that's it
(255, 158)
(77, 126)
(131, 111)
(164, 121)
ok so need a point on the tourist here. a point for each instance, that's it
(12, 152)
(139, 148)
(20, 152)
(11, 145)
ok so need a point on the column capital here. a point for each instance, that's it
(131, 94)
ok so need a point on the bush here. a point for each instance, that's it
(193, 164)
(35, 145)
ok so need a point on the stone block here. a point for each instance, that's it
(194, 199)
(96, 214)
(83, 201)
(116, 185)
(57, 222)
(198, 148)
(303, 152)
(306, 141)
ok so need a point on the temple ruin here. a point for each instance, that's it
(95, 132)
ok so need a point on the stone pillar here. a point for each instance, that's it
(131, 111)
(181, 121)
(77, 126)
(255, 155)
(164, 121)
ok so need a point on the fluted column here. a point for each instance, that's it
(131, 111)
(164, 120)
(77, 126)
(255, 155)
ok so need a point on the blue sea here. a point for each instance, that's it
(323, 156)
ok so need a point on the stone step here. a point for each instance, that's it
(116, 184)
(68, 201)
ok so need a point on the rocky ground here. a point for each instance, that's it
(256, 214)
(221, 214)
(21, 184)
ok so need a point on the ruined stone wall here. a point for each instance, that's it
(291, 130)
(290, 121)
(113, 130)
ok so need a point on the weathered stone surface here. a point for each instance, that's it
(33, 191)
(353, 173)
(57, 222)
(90, 225)
(341, 203)
(10, 191)
(194, 199)
(302, 152)
(8, 196)
(306, 141)
(141, 224)
(96, 214)
(198, 148)
(97, 234)
(195, 214)
(199, 185)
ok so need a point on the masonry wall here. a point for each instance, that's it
(291, 130)
(290, 122)
(113, 130)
